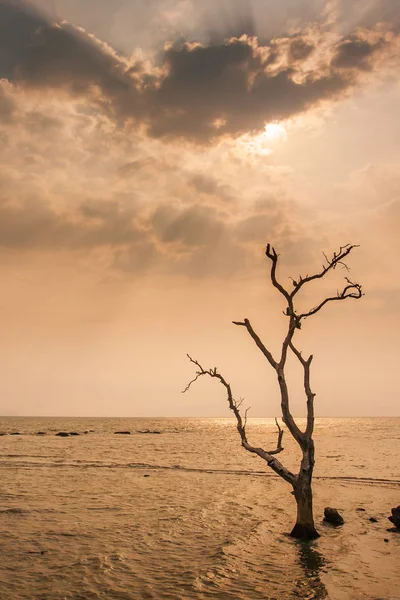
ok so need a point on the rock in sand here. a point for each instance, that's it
(332, 516)
(395, 517)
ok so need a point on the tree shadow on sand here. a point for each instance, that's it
(313, 564)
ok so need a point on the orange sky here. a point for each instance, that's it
(148, 152)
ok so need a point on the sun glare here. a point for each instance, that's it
(275, 132)
(264, 143)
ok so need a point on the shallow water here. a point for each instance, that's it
(187, 513)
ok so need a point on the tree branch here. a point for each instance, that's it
(307, 388)
(279, 368)
(273, 256)
(246, 323)
(351, 290)
(274, 463)
(280, 436)
(332, 263)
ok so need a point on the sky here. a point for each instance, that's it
(150, 149)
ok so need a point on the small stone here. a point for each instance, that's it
(385, 539)
(361, 509)
(332, 516)
(41, 433)
(146, 475)
(62, 434)
(122, 433)
(373, 520)
(73, 433)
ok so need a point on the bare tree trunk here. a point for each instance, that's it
(304, 528)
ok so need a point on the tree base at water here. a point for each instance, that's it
(304, 532)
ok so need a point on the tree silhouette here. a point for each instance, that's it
(301, 482)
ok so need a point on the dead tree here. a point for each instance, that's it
(301, 482)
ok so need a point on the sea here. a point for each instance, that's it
(177, 509)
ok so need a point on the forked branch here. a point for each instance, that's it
(351, 290)
(306, 364)
(330, 265)
(234, 406)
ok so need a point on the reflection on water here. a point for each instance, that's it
(312, 563)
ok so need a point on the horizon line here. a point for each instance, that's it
(188, 417)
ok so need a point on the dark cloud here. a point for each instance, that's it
(210, 186)
(18, 24)
(35, 224)
(227, 90)
(7, 105)
(65, 57)
(300, 49)
(179, 239)
(357, 53)
(197, 92)
(233, 88)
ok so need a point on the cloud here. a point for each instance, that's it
(65, 57)
(33, 223)
(359, 51)
(93, 162)
(210, 186)
(7, 104)
(196, 92)
(193, 226)
(18, 23)
(72, 183)
(300, 49)
(128, 24)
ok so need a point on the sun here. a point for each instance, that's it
(264, 143)
(275, 132)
